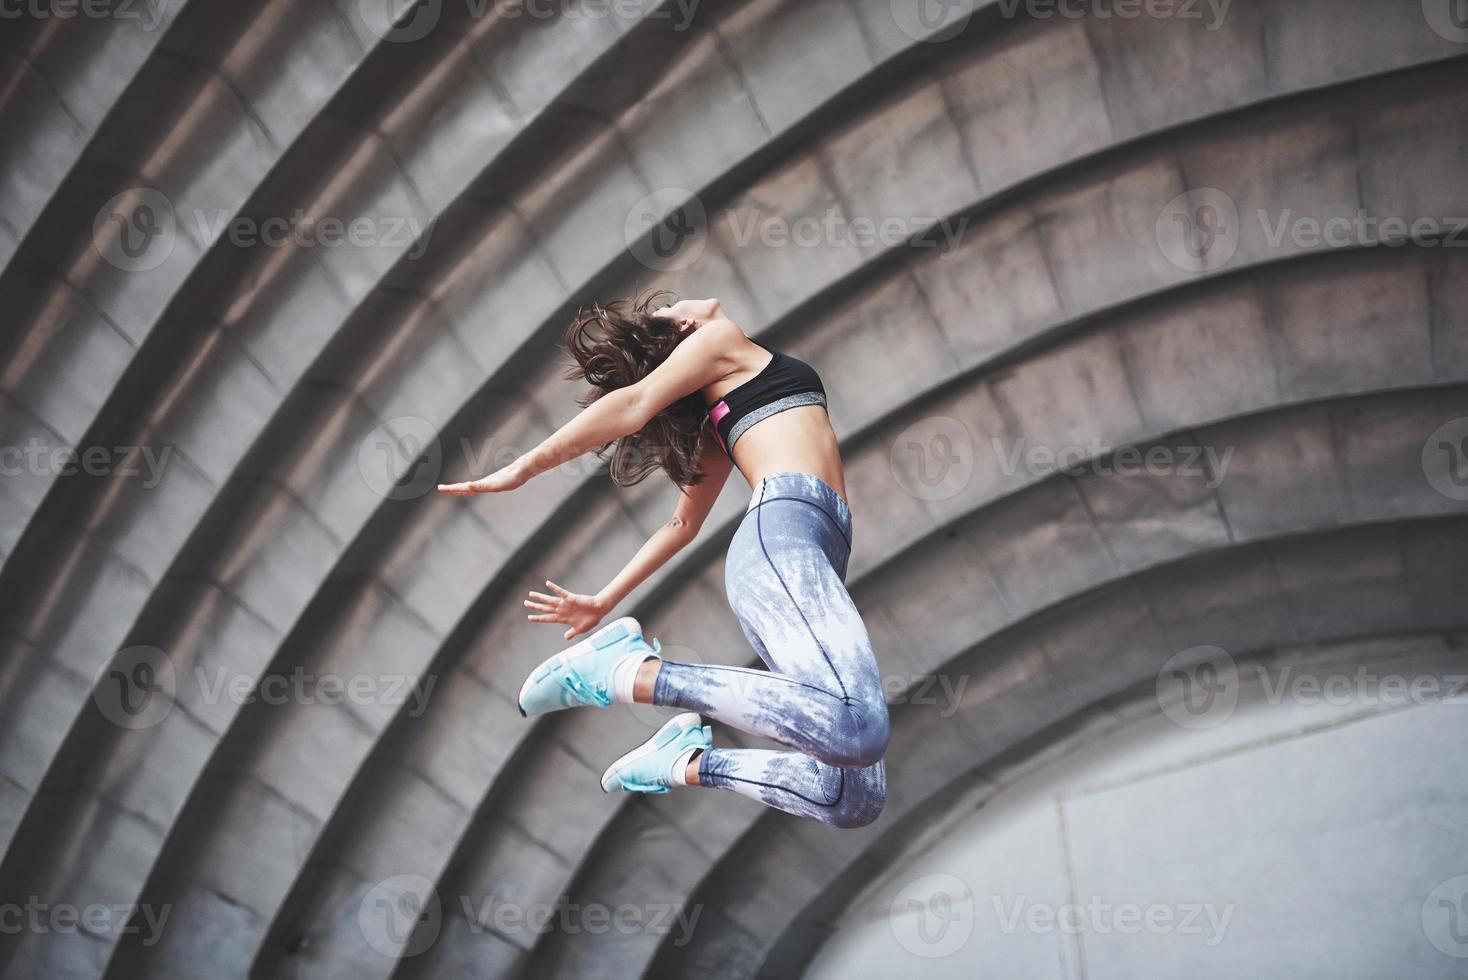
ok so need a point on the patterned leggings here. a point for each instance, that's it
(822, 695)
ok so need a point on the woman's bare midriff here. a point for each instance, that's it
(797, 440)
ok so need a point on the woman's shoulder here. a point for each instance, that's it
(724, 340)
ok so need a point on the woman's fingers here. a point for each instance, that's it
(542, 597)
(547, 618)
(558, 590)
(539, 606)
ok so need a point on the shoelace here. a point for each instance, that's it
(633, 786)
(598, 696)
(591, 695)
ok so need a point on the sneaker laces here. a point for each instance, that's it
(633, 786)
(591, 695)
(599, 695)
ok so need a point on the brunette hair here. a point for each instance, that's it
(618, 344)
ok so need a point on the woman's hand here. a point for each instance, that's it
(506, 478)
(580, 612)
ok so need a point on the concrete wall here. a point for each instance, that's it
(1144, 846)
(1002, 266)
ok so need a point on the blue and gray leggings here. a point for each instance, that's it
(822, 695)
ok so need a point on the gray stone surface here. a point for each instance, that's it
(275, 378)
(1139, 810)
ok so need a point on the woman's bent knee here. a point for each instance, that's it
(863, 801)
(859, 741)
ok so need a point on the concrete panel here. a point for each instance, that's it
(1280, 478)
(65, 368)
(286, 316)
(793, 56)
(870, 350)
(1100, 238)
(30, 167)
(73, 629)
(669, 151)
(1176, 357)
(31, 735)
(1202, 60)
(1308, 39)
(758, 228)
(1039, 546)
(1350, 333)
(1163, 507)
(1076, 397)
(31, 468)
(992, 292)
(904, 162)
(1030, 103)
(484, 313)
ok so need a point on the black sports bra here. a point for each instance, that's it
(785, 382)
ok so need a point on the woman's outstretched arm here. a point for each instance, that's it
(694, 363)
(581, 613)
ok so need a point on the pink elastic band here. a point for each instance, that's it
(717, 413)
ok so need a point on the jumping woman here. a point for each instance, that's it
(682, 388)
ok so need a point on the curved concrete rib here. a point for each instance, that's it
(1433, 658)
(210, 603)
(60, 76)
(899, 525)
(248, 561)
(1378, 581)
(1165, 327)
(1097, 528)
(204, 124)
(335, 894)
(176, 593)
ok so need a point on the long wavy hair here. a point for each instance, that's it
(618, 344)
